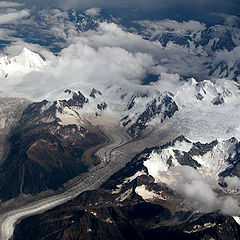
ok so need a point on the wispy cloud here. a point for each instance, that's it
(199, 192)
(9, 4)
(13, 16)
(93, 11)
(94, 58)
(110, 54)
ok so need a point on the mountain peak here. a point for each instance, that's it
(26, 51)
(27, 61)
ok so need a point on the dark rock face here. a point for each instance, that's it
(200, 149)
(208, 226)
(165, 38)
(234, 159)
(44, 154)
(101, 214)
(219, 100)
(164, 107)
(199, 96)
(75, 222)
(223, 35)
(210, 40)
(78, 100)
(128, 222)
(94, 92)
(102, 106)
(186, 159)
(131, 104)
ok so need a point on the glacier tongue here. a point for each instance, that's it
(207, 110)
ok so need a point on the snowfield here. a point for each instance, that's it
(202, 120)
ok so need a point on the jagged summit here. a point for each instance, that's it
(27, 61)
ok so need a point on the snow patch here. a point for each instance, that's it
(146, 194)
(182, 146)
(213, 162)
(137, 174)
(199, 119)
(156, 163)
(237, 219)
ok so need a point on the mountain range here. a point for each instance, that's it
(117, 129)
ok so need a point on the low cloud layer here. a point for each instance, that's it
(95, 59)
(233, 182)
(151, 9)
(81, 67)
(199, 191)
(107, 54)
(229, 57)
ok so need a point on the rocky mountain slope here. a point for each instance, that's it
(45, 151)
(67, 128)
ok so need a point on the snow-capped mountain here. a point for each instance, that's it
(208, 50)
(16, 66)
(207, 110)
(192, 110)
(47, 130)
(133, 110)
(217, 159)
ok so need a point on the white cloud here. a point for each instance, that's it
(167, 82)
(167, 25)
(229, 57)
(194, 188)
(108, 55)
(233, 182)
(81, 66)
(110, 34)
(229, 20)
(5, 34)
(93, 11)
(13, 16)
(230, 206)
(173, 59)
(6, 4)
(199, 192)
